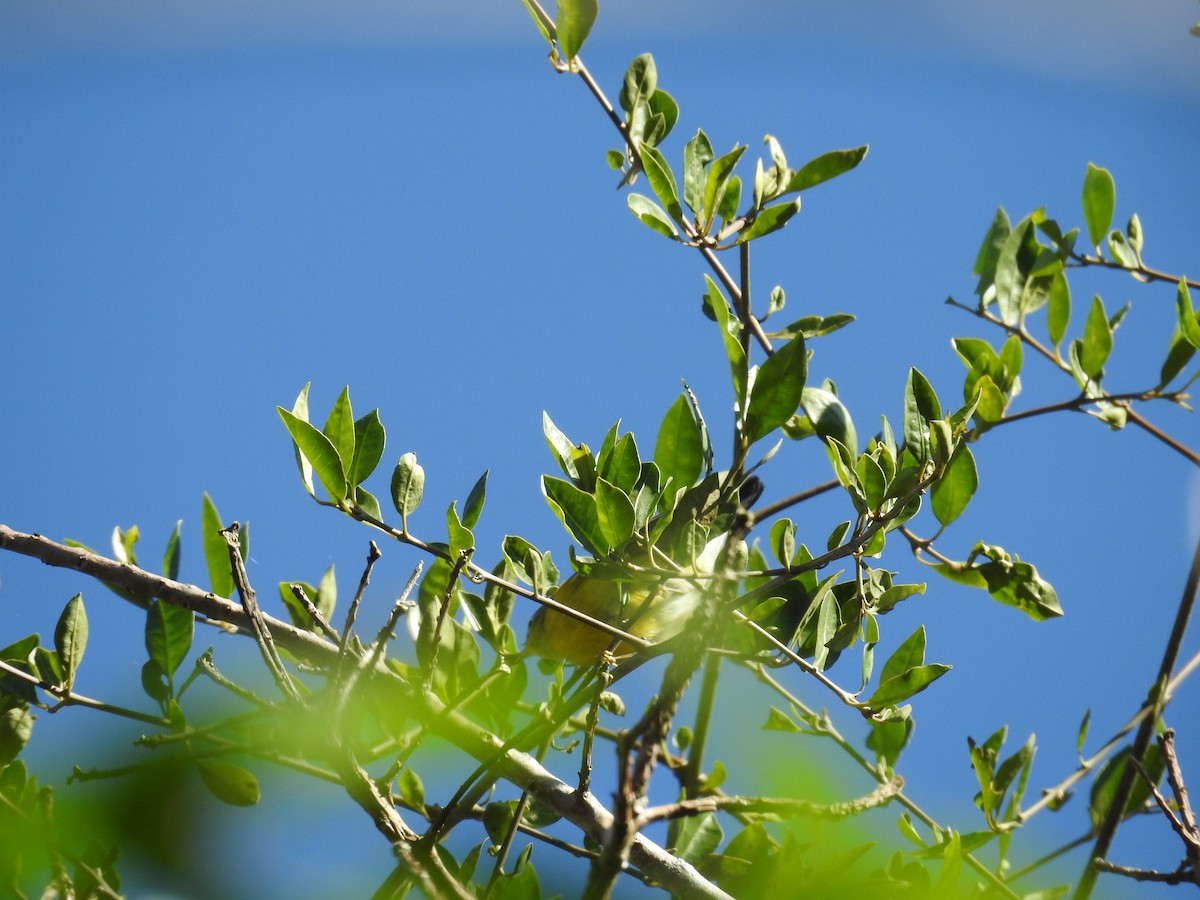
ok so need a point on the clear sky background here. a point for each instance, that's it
(206, 207)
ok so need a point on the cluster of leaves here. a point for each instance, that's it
(1019, 275)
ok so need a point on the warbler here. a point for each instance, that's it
(654, 608)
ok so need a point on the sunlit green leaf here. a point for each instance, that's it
(778, 389)
(989, 251)
(1099, 201)
(662, 180)
(652, 215)
(369, 441)
(641, 81)
(300, 411)
(829, 417)
(408, 486)
(1188, 324)
(1097, 340)
(474, 505)
(679, 450)
(70, 638)
(717, 182)
(216, 551)
(954, 490)
(573, 23)
(824, 167)
(1058, 309)
(697, 154)
(614, 512)
(920, 406)
(770, 219)
(905, 685)
(576, 509)
(320, 452)
(339, 428)
(170, 566)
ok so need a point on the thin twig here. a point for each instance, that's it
(258, 625)
(311, 608)
(1145, 271)
(1155, 701)
(70, 698)
(373, 555)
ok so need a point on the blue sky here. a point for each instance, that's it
(205, 209)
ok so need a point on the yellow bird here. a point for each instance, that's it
(655, 609)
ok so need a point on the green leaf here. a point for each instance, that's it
(908, 655)
(829, 620)
(168, 634)
(16, 726)
(229, 783)
(614, 512)
(888, 738)
(679, 450)
(641, 81)
(474, 505)
(1179, 354)
(561, 446)
(699, 836)
(170, 566)
(1058, 309)
(460, 538)
(1134, 235)
(1099, 201)
(770, 219)
(697, 154)
(408, 486)
(541, 20)
(216, 551)
(729, 329)
(911, 682)
(1121, 251)
(573, 23)
(1016, 583)
(720, 172)
(339, 428)
(1010, 274)
(664, 109)
(1185, 315)
(576, 509)
(920, 406)
(651, 215)
(873, 480)
(662, 180)
(622, 466)
(783, 540)
(411, 788)
(954, 490)
(1097, 340)
(70, 638)
(320, 452)
(300, 411)
(123, 545)
(989, 251)
(777, 391)
(1104, 788)
(829, 417)
(369, 441)
(824, 167)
